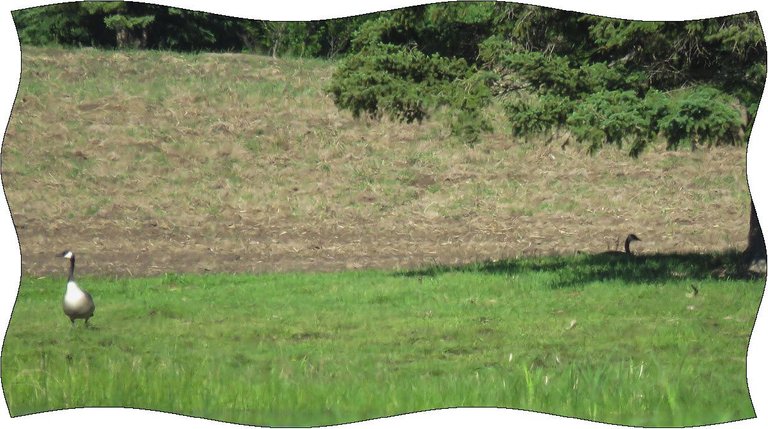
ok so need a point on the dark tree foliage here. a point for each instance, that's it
(141, 25)
(410, 62)
(441, 29)
(607, 80)
(122, 24)
(64, 24)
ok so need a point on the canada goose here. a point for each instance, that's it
(630, 238)
(78, 304)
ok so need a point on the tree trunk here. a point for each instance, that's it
(755, 255)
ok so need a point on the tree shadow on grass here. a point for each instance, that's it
(580, 269)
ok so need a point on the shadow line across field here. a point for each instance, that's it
(580, 269)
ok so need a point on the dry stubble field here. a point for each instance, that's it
(152, 162)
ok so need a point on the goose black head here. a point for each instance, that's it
(67, 254)
(630, 238)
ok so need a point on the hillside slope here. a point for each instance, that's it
(152, 162)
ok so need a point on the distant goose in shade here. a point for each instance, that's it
(78, 304)
(630, 238)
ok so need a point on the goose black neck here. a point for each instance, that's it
(72, 268)
(626, 247)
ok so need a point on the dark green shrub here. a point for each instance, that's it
(402, 83)
(537, 114)
(407, 85)
(543, 73)
(611, 117)
(701, 115)
(467, 102)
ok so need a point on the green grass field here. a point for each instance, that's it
(615, 340)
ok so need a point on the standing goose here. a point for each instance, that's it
(630, 238)
(78, 304)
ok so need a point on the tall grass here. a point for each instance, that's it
(631, 347)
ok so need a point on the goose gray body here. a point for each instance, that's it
(77, 304)
(627, 251)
